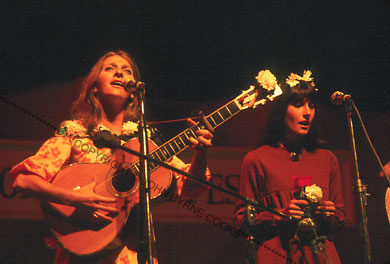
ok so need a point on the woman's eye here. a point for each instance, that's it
(298, 104)
(108, 68)
(127, 72)
(312, 106)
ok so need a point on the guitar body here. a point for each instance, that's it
(74, 228)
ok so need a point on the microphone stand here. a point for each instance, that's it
(251, 245)
(145, 254)
(360, 190)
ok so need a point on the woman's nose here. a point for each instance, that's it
(118, 73)
(307, 110)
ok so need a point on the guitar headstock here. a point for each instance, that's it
(253, 97)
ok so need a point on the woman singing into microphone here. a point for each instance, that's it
(292, 174)
(103, 104)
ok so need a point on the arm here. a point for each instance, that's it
(36, 187)
(198, 166)
(252, 185)
(33, 175)
(199, 159)
(331, 212)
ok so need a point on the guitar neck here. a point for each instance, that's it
(181, 141)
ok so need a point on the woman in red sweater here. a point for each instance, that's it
(291, 152)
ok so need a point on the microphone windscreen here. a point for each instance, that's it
(337, 98)
(104, 139)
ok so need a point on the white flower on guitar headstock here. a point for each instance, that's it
(268, 91)
(267, 80)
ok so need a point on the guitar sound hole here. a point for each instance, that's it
(123, 180)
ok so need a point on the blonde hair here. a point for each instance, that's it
(87, 108)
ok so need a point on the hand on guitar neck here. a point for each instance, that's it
(204, 138)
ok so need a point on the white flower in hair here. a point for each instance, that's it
(306, 76)
(294, 78)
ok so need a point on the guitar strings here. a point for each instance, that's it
(114, 178)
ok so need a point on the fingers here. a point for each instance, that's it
(299, 203)
(101, 207)
(294, 209)
(326, 208)
(204, 137)
(200, 132)
(205, 134)
(97, 202)
(201, 143)
(98, 208)
(191, 122)
(295, 213)
(103, 199)
(98, 216)
(87, 194)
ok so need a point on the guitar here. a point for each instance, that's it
(73, 227)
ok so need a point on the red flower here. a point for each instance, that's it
(301, 181)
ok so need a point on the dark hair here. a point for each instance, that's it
(276, 124)
(87, 107)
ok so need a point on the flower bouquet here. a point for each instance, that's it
(313, 195)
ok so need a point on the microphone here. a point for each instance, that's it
(104, 139)
(338, 98)
(132, 85)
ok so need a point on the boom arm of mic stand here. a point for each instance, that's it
(370, 143)
(249, 201)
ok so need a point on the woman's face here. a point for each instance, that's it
(299, 117)
(115, 73)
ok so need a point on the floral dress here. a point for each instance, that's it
(71, 144)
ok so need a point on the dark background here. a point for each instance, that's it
(202, 51)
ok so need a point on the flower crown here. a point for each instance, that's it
(267, 80)
(294, 78)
